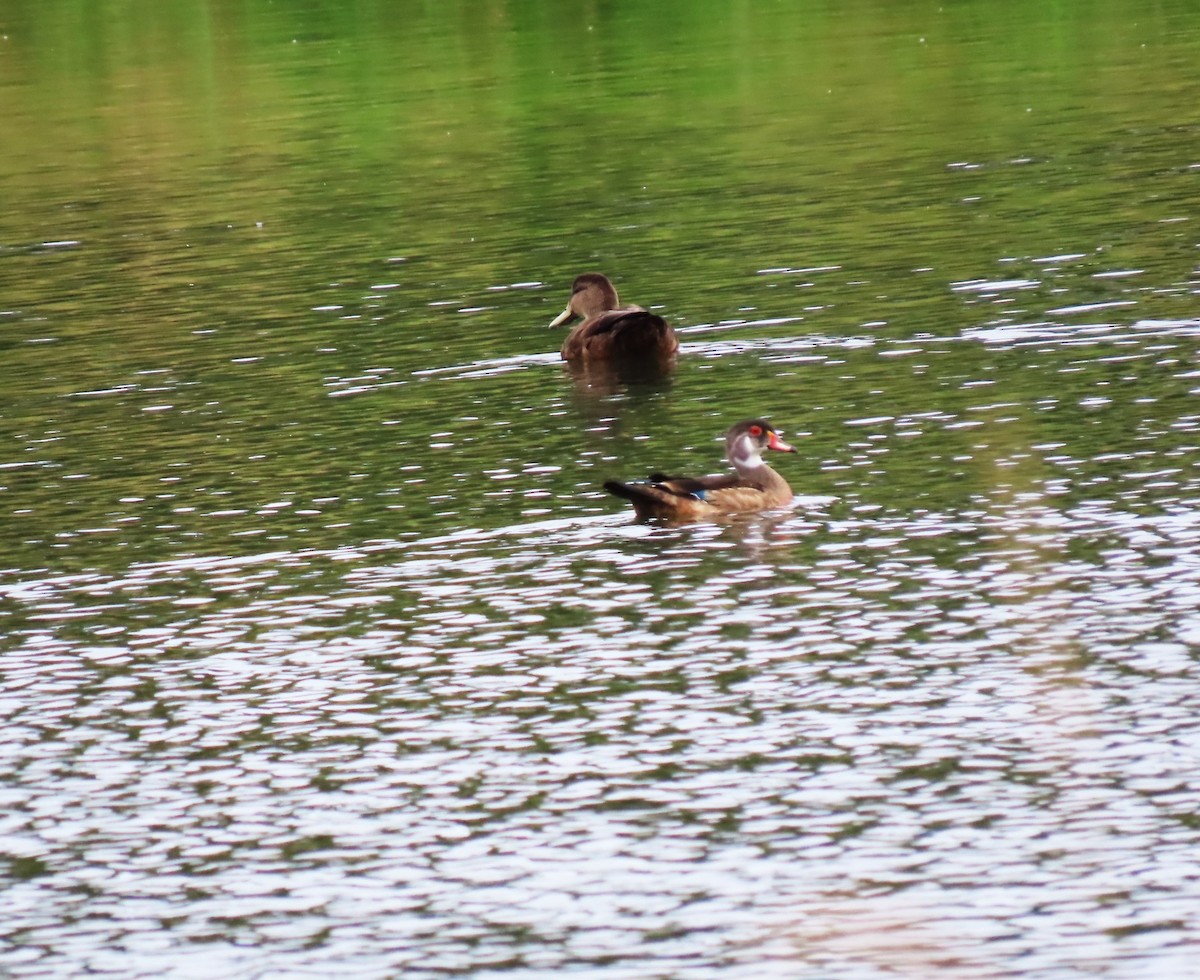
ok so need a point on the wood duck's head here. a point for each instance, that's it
(745, 442)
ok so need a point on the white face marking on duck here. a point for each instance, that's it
(746, 455)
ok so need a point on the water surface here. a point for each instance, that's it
(324, 650)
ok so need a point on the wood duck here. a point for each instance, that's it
(754, 485)
(610, 331)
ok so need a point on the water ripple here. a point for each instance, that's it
(531, 746)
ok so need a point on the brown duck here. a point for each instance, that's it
(610, 331)
(753, 486)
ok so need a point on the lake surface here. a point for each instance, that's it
(323, 649)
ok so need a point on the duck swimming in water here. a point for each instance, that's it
(751, 487)
(610, 331)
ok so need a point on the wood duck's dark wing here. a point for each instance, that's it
(694, 486)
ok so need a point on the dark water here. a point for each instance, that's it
(323, 650)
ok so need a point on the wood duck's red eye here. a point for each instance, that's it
(756, 431)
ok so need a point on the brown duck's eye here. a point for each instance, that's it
(756, 431)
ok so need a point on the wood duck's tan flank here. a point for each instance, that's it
(610, 331)
(751, 487)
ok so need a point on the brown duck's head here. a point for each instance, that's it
(591, 293)
(745, 442)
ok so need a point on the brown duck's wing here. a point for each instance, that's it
(617, 333)
(612, 320)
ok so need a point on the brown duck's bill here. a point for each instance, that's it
(566, 316)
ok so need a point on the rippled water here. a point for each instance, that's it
(324, 651)
(861, 738)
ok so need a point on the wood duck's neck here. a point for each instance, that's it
(745, 455)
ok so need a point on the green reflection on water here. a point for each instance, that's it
(268, 202)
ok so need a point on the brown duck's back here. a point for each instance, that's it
(631, 332)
